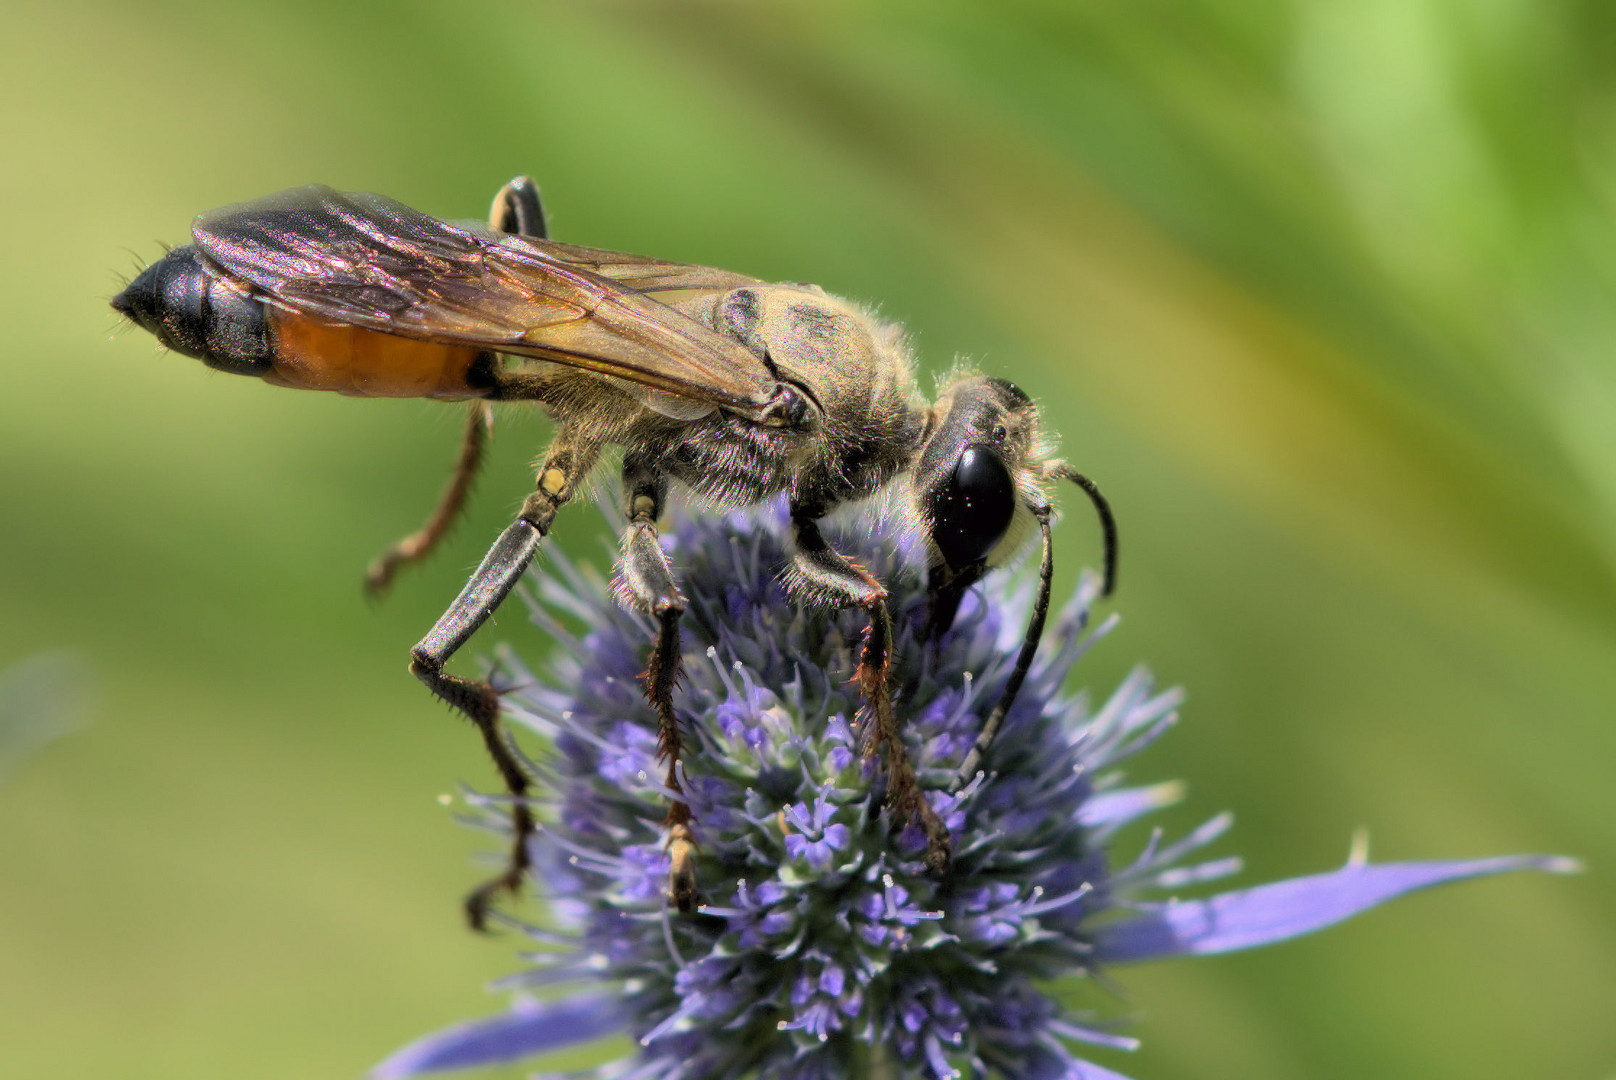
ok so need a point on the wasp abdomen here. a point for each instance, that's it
(313, 354)
(194, 313)
(217, 320)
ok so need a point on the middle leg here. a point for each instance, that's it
(646, 582)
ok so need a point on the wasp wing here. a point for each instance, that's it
(643, 274)
(367, 261)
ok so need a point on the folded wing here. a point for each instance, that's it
(368, 261)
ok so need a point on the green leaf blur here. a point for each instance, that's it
(1320, 293)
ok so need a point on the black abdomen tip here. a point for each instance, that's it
(191, 312)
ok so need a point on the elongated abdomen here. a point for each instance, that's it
(310, 354)
(220, 323)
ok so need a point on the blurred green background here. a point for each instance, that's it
(1321, 293)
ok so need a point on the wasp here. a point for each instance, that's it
(734, 388)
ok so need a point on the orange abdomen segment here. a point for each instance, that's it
(312, 354)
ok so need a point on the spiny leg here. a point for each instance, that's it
(824, 574)
(647, 583)
(419, 544)
(566, 464)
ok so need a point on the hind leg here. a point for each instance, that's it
(566, 464)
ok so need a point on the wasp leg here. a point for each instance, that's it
(1029, 649)
(518, 209)
(419, 544)
(565, 465)
(647, 583)
(824, 574)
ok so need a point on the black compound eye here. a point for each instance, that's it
(971, 511)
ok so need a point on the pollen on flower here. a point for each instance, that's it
(821, 946)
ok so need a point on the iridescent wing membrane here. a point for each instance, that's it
(367, 261)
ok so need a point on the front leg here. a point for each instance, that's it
(646, 582)
(822, 574)
(566, 464)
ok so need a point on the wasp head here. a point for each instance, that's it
(981, 480)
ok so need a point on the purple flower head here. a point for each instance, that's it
(823, 948)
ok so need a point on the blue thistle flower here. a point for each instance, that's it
(823, 947)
